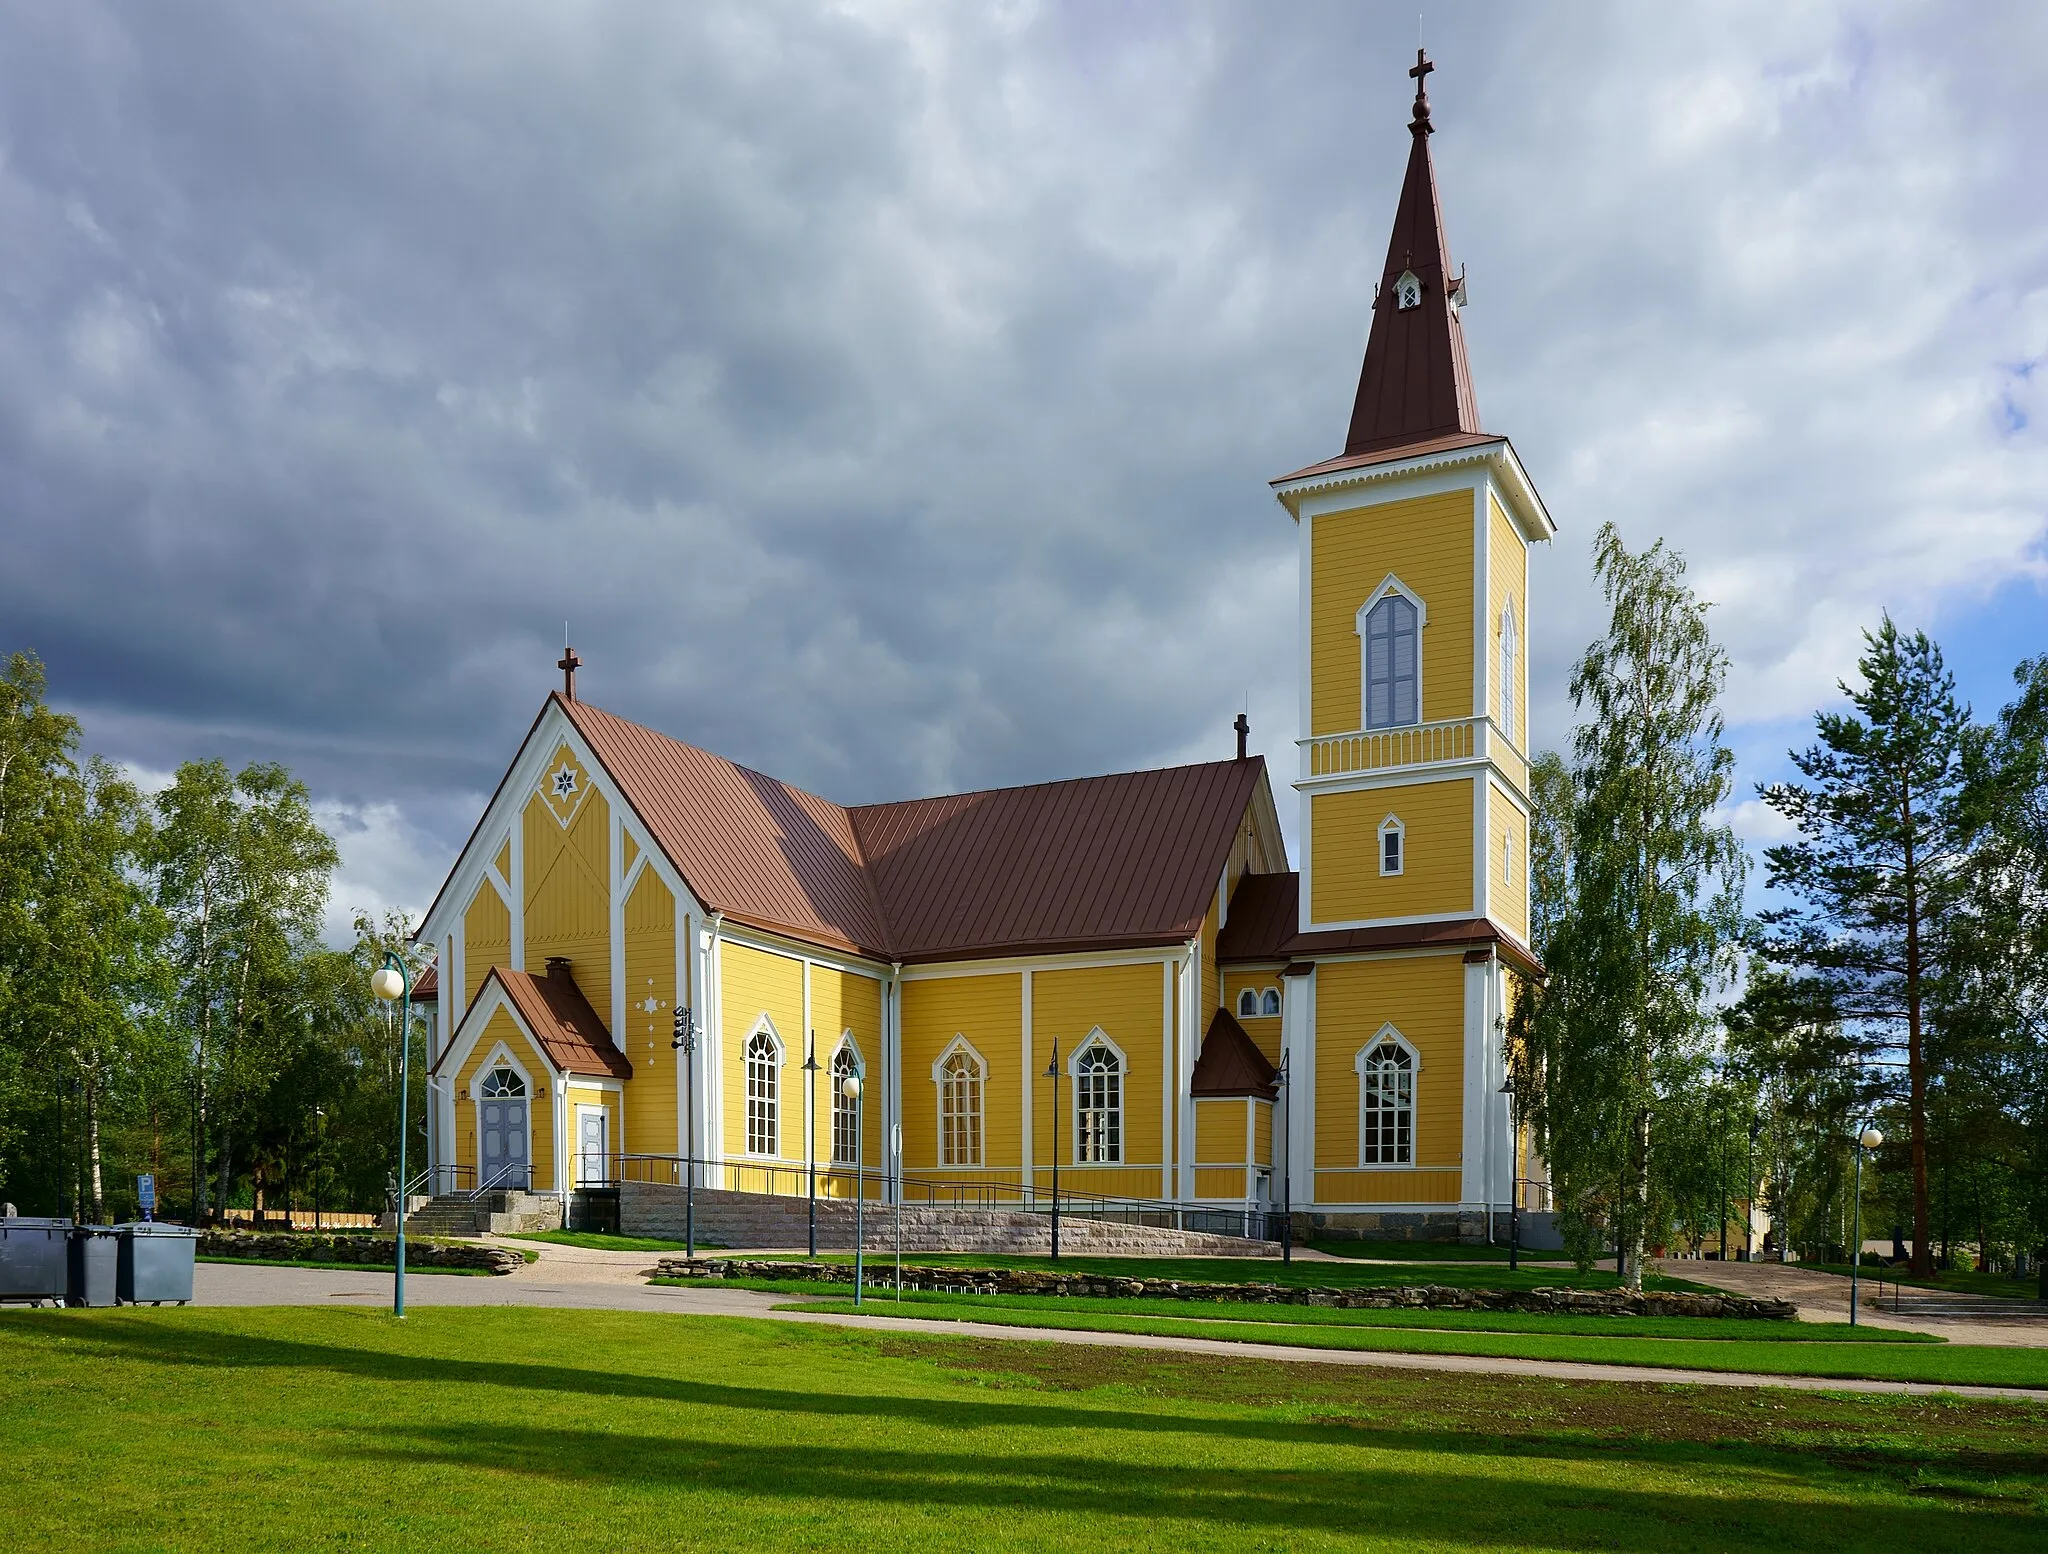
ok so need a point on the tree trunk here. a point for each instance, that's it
(1639, 1147)
(92, 1149)
(1916, 1066)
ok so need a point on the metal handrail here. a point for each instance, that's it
(840, 1183)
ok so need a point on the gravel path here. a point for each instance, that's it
(1824, 1297)
(580, 1278)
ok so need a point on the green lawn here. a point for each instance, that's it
(1270, 1270)
(523, 1428)
(599, 1241)
(1429, 1252)
(1938, 1364)
(1953, 1283)
(1706, 1329)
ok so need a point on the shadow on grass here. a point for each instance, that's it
(134, 1336)
(1423, 1505)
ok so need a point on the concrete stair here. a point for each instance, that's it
(492, 1214)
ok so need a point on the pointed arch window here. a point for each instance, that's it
(961, 1075)
(764, 1066)
(1391, 626)
(501, 1083)
(1248, 1004)
(1099, 1106)
(1510, 650)
(1393, 846)
(845, 1112)
(1269, 1001)
(1386, 1101)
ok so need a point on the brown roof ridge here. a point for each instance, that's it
(1054, 782)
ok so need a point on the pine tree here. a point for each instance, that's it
(1881, 860)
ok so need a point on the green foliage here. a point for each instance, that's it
(1637, 909)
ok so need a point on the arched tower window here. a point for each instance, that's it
(1510, 647)
(845, 1113)
(1099, 1106)
(764, 1062)
(1386, 1102)
(1391, 652)
(960, 1083)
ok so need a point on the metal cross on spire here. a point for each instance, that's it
(1420, 123)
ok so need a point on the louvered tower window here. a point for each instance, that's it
(1390, 664)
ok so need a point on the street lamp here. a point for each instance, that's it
(1866, 1141)
(319, 1159)
(685, 1042)
(393, 981)
(1281, 1078)
(1756, 1127)
(810, 1134)
(1052, 1072)
(1514, 1178)
(850, 1088)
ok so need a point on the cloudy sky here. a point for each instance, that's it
(885, 393)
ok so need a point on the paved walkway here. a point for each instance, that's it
(1824, 1297)
(580, 1278)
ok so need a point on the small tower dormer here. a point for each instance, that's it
(1414, 564)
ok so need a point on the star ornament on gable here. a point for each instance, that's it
(564, 788)
(564, 781)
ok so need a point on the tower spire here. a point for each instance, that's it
(1415, 385)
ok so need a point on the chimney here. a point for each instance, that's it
(558, 968)
(1243, 725)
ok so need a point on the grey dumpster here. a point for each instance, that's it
(32, 1258)
(95, 1255)
(156, 1263)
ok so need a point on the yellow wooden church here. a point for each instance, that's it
(1118, 974)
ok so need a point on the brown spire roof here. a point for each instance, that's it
(1093, 863)
(1231, 1063)
(1415, 386)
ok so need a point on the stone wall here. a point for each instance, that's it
(1419, 1297)
(344, 1251)
(763, 1220)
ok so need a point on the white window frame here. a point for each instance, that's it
(1408, 290)
(1389, 585)
(1270, 996)
(1507, 857)
(1510, 652)
(1098, 1040)
(844, 1110)
(1389, 1036)
(763, 1027)
(961, 1047)
(1397, 828)
(1250, 996)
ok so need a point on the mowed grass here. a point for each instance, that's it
(526, 1428)
(1953, 1283)
(602, 1241)
(1939, 1364)
(1360, 1274)
(1429, 1252)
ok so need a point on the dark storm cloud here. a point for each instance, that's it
(886, 395)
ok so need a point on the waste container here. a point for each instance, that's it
(155, 1263)
(95, 1255)
(32, 1258)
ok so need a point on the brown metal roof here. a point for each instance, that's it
(1265, 918)
(561, 1019)
(426, 987)
(1089, 863)
(1092, 863)
(1231, 1063)
(1415, 383)
(1422, 448)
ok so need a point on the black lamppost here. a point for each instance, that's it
(810, 1134)
(1281, 1077)
(1514, 1178)
(685, 1042)
(319, 1158)
(1052, 1072)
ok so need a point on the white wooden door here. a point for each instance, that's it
(592, 1146)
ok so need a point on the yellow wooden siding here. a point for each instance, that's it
(580, 1096)
(1127, 1002)
(989, 1012)
(503, 862)
(502, 1028)
(486, 939)
(757, 983)
(1388, 1186)
(1508, 862)
(842, 1001)
(1507, 569)
(1263, 1029)
(568, 904)
(1231, 1182)
(1219, 1132)
(1212, 988)
(1424, 998)
(1428, 543)
(651, 1110)
(1262, 1137)
(1345, 883)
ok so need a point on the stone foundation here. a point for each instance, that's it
(744, 1219)
(1413, 1297)
(344, 1251)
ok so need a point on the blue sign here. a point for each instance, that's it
(145, 1189)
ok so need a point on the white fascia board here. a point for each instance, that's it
(1414, 776)
(1519, 496)
(1013, 965)
(795, 949)
(1344, 925)
(1336, 490)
